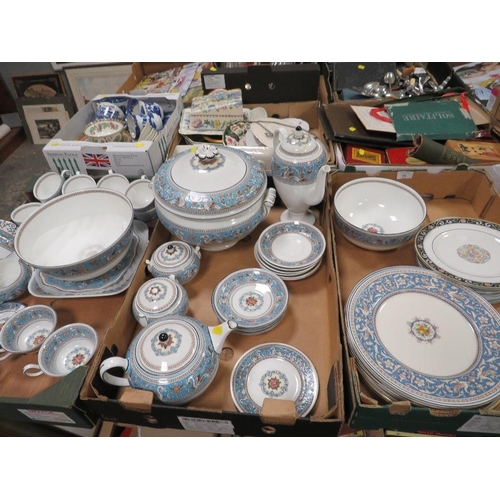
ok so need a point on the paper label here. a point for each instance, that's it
(207, 425)
(404, 175)
(214, 82)
(57, 417)
(482, 424)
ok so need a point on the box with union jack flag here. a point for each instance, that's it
(66, 151)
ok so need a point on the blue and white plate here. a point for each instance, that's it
(276, 371)
(254, 298)
(424, 338)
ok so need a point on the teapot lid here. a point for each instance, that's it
(168, 346)
(173, 255)
(300, 143)
(157, 295)
(208, 181)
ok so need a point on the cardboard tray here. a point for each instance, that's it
(310, 324)
(467, 193)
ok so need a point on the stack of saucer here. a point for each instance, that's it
(292, 250)
(256, 299)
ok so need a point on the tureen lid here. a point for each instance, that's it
(300, 143)
(208, 182)
(168, 346)
(173, 255)
(157, 295)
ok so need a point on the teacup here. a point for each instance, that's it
(120, 101)
(19, 214)
(135, 124)
(49, 185)
(152, 107)
(109, 111)
(26, 330)
(64, 350)
(114, 181)
(155, 120)
(78, 182)
(140, 193)
(14, 277)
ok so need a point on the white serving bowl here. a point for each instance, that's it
(77, 236)
(378, 214)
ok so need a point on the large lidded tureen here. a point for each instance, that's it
(175, 358)
(212, 197)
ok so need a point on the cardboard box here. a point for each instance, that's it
(467, 193)
(310, 324)
(131, 159)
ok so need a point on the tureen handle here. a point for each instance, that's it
(219, 333)
(112, 362)
(279, 136)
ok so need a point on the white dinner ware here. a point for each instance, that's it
(77, 236)
(175, 258)
(8, 309)
(275, 371)
(140, 194)
(256, 299)
(49, 185)
(175, 358)
(20, 213)
(26, 329)
(104, 130)
(8, 232)
(77, 182)
(212, 197)
(159, 298)
(113, 282)
(424, 338)
(14, 277)
(113, 181)
(378, 214)
(299, 171)
(64, 350)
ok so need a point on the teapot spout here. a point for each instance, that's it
(219, 333)
(317, 192)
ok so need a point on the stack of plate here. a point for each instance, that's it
(256, 299)
(467, 251)
(292, 250)
(418, 336)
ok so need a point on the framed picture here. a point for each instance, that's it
(36, 86)
(63, 65)
(89, 82)
(43, 118)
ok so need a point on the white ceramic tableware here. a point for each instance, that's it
(109, 111)
(64, 350)
(104, 130)
(113, 181)
(378, 214)
(8, 232)
(140, 194)
(19, 214)
(8, 309)
(299, 171)
(136, 124)
(77, 236)
(49, 185)
(14, 277)
(27, 329)
(212, 197)
(159, 298)
(175, 258)
(176, 358)
(77, 182)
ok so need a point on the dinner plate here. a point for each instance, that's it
(465, 250)
(277, 371)
(425, 338)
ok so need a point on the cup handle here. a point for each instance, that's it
(112, 362)
(32, 367)
(6, 355)
(65, 174)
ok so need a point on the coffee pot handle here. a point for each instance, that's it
(113, 362)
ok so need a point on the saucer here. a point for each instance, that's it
(39, 289)
(277, 371)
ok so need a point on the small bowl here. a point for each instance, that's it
(158, 298)
(19, 214)
(378, 214)
(175, 258)
(104, 130)
(64, 350)
(27, 329)
(14, 277)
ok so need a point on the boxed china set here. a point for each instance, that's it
(419, 298)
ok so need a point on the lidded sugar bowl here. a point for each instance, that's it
(299, 172)
(158, 298)
(175, 258)
(212, 197)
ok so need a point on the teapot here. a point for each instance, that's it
(299, 171)
(176, 358)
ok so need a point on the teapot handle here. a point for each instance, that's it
(279, 136)
(112, 362)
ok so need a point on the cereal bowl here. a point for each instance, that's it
(378, 214)
(77, 236)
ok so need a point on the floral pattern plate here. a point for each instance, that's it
(277, 371)
(425, 338)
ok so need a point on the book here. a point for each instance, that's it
(361, 154)
(401, 156)
(485, 152)
(434, 119)
(375, 119)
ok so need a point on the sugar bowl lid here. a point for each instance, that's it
(157, 295)
(174, 255)
(299, 143)
(209, 182)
